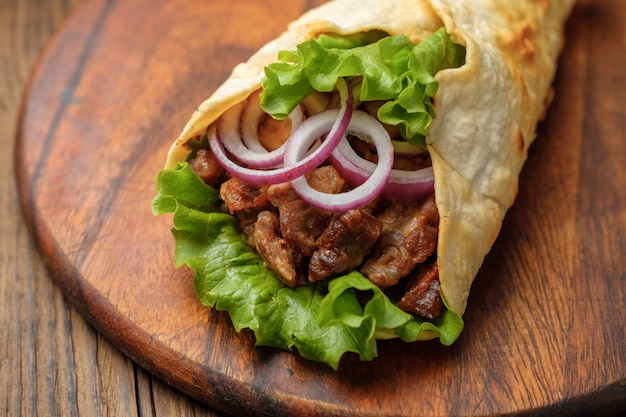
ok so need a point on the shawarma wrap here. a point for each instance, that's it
(480, 122)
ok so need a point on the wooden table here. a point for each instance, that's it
(53, 362)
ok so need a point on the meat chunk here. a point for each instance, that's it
(393, 212)
(343, 244)
(408, 238)
(326, 179)
(422, 296)
(206, 167)
(241, 196)
(245, 201)
(273, 249)
(300, 223)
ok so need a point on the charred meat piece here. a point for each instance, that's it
(344, 243)
(422, 296)
(326, 179)
(273, 249)
(206, 167)
(241, 196)
(300, 223)
(245, 201)
(408, 238)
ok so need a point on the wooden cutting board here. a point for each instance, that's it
(545, 325)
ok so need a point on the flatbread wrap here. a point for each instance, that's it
(313, 255)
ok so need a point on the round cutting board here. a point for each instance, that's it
(545, 324)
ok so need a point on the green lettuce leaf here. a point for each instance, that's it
(391, 68)
(322, 321)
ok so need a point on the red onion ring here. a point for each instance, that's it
(299, 142)
(251, 117)
(362, 124)
(370, 180)
(237, 128)
(401, 183)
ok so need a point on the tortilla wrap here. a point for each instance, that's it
(487, 110)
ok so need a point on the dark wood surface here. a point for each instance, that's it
(52, 363)
(545, 324)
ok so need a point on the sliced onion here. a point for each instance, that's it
(333, 122)
(251, 118)
(238, 130)
(362, 124)
(228, 130)
(410, 184)
(401, 183)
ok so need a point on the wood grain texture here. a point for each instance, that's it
(545, 323)
(52, 363)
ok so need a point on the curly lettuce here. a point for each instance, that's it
(392, 69)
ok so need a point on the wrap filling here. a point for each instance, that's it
(316, 193)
